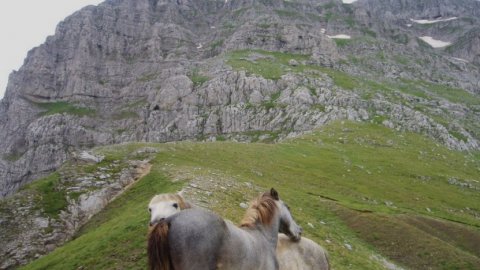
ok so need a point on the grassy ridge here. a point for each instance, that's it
(358, 185)
(272, 65)
(60, 107)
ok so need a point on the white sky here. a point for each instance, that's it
(25, 24)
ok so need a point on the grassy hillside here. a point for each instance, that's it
(362, 191)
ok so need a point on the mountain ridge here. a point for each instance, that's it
(157, 68)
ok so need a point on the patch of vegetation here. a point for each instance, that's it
(288, 13)
(12, 157)
(217, 44)
(342, 42)
(312, 90)
(125, 115)
(270, 65)
(267, 2)
(380, 56)
(220, 138)
(378, 119)
(341, 79)
(401, 59)
(318, 107)
(272, 102)
(197, 78)
(329, 5)
(268, 104)
(137, 104)
(350, 21)
(229, 25)
(425, 89)
(401, 38)
(263, 136)
(147, 77)
(369, 32)
(51, 198)
(397, 236)
(459, 136)
(330, 16)
(264, 25)
(60, 107)
(408, 87)
(452, 94)
(314, 17)
(275, 96)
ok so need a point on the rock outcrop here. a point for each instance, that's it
(151, 70)
(28, 229)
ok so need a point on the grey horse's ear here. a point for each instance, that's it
(274, 194)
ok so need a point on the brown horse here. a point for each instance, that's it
(195, 239)
(302, 255)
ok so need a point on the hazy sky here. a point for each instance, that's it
(25, 24)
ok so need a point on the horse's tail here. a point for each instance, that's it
(158, 248)
(327, 261)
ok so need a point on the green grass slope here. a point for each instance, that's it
(381, 192)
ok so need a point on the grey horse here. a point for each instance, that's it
(302, 255)
(195, 239)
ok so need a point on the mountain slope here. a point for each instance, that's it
(362, 191)
(249, 71)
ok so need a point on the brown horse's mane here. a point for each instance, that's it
(262, 209)
(172, 197)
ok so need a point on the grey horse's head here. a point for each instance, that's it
(164, 205)
(288, 225)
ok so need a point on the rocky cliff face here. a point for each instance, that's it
(30, 225)
(151, 70)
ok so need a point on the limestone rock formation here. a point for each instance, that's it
(162, 70)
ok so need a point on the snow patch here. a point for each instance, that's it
(349, 1)
(199, 46)
(341, 36)
(433, 21)
(434, 42)
(323, 30)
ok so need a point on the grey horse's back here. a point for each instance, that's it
(195, 238)
(304, 255)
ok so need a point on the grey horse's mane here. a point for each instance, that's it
(262, 210)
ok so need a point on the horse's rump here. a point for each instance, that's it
(193, 233)
(305, 254)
